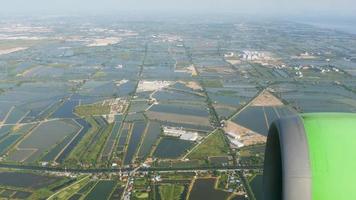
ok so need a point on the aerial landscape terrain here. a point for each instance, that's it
(103, 108)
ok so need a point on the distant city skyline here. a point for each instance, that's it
(255, 7)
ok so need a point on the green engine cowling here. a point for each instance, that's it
(311, 157)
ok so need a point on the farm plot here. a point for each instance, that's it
(57, 151)
(33, 97)
(109, 146)
(135, 139)
(204, 189)
(150, 138)
(322, 97)
(170, 191)
(102, 190)
(5, 130)
(107, 88)
(177, 118)
(72, 191)
(13, 137)
(15, 115)
(170, 95)
(89, 148)
(256, 185)
(123, 137)
(181, 109)
(26, 180)
(92, 109)
(117, 194)
(214, 145)
(66, 110)
(259, 118)
(71, 145)
(44, 137)
(171, 148)
(138, 106)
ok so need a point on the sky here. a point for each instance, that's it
(255, 7)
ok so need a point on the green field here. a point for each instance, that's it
(92, 109)
(170, 191)
(214, 145)
(102, 190)
(89, 148)
(67, 192)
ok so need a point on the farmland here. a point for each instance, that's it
(50, 133)
(104, 97)
(214, 145)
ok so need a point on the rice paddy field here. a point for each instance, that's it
(49, 133)
(205, 189)
(134, 141)
(30, 185)
(259, 118)
(101, 190)
(87, 187)
(150, 139)
(171, 148)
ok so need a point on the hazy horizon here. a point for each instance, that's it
(252, 7)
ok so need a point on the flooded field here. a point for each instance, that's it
(151, 137)
(117, 193)
(111, 140)
(179, 118)
(259, 118)
(181, 110)
(204, 189)
(123, 137)
(101, 190)
(135, 139)
(168, 95)
(26, 180)
(11, 137)
(171, 148)
(85, 126)
(323, 97)
(50, 133)
(257, 187)
(66, 110)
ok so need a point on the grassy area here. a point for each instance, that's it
(89, 148)
(212, 83)
(70, 190)
(92, 154)
(141, 195)
(99, 74)
(92, 109)
(214, 145)
(170, 191)
(222, 181)
(77, 154)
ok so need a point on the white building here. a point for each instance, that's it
(233, 135)
(190, 136)
(180, 133)
(236, 143)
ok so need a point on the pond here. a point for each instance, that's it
(135, 139)
(102, 190)
(256, 186)
(181, 109)
(66, 110)
(203, 189)
(172, 148)
(85, 127)
(152, 135)
(26, 180)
